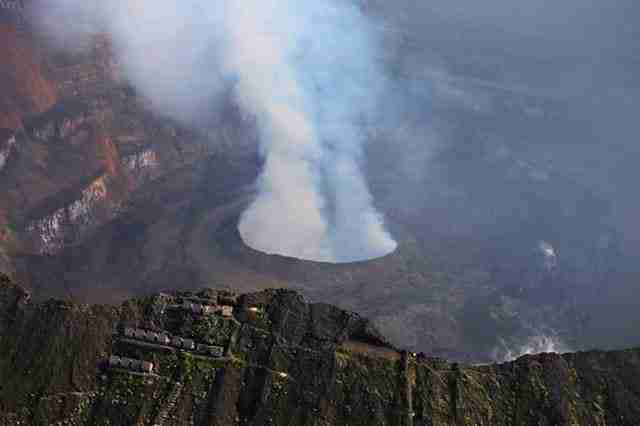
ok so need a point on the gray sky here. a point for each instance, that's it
(568, 19)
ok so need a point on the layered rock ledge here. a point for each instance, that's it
(285, 361)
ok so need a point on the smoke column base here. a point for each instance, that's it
(316, 254)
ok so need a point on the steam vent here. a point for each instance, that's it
(320, 249)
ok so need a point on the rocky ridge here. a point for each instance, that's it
(286, 361)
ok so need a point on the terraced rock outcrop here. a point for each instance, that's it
(76, 141)
(286, 362)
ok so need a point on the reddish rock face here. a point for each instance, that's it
(73, 144)
(24, 89)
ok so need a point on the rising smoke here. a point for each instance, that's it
(534, 344)
(305, 71)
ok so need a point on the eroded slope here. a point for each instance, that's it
(283, 361)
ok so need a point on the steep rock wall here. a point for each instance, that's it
(88, 70)
(142, 167)
(70, 224)
(75, 117)
(84, 140)
(7, 145)
(286, 362)
(95, 204)
(24, 87)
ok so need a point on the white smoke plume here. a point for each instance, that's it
(550, 255)
(535, 344)
(305, 71)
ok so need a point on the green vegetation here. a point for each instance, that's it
(213, 330)
(52, 370)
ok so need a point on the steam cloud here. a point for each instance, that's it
(535, 344)
(307, 73)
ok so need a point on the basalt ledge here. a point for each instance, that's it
(278, 359)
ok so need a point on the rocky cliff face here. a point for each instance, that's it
(70, 223)
(283, 361)
(7, 144)
(25, 86)
(75, 141)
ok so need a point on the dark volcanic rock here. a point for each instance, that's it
(286, 362)
(12, 300)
